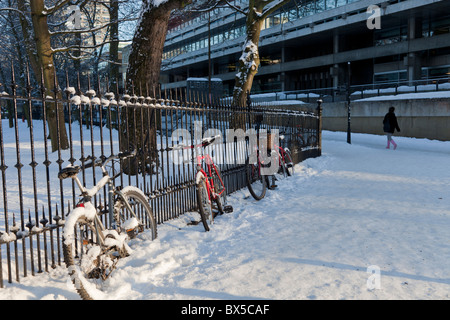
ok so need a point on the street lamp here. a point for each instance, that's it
(349, 77)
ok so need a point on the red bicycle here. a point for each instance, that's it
(211, 191)
(258, 180)
(286, 165)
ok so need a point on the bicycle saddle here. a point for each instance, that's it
(209, 140)
(68, 172)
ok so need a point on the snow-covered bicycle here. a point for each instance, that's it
(91, 250)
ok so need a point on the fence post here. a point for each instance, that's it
(319, 125)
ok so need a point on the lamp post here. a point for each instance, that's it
(209, 56)
(349, 76)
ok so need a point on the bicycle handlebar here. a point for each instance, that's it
(71, 171)
(205, 142)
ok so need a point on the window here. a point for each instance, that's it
(293, 14)
(390, 36)
(436, 72)
(394, 76)
(320, 5)
(331, 4)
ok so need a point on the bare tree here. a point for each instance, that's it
(143, 72)
(249, 61)
(148, 42)
(46, 37)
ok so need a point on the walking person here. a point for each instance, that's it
(390, 124)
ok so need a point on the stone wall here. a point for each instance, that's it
(418, 118)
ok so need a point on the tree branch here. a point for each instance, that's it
(15, 10)
(238, 9)
(76, 47)
(267, 11)
(54, 33)
(56, 7)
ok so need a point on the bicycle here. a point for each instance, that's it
(286, 165)
(305, 137)
(258, 183)
(209, 184)
(91, 251)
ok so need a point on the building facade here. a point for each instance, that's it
(311, 44)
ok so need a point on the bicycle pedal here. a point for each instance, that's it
(228, 209)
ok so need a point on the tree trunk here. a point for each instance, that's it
(248, 64)
(148, 43)
(45, 58)
(247, 68)
(249, 61)
(114, 46)
(142, 74)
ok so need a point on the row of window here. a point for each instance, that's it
(304, 9)
(430, 28)
(203, 43)
(401, 75)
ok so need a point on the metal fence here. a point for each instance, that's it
(338, 94)
(35, 202)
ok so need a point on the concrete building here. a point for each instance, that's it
(311, 44)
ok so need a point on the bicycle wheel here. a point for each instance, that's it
(90, 251)
(219, 189)
(143, 218)
(204, 204)
(256, 183)
(288, 162)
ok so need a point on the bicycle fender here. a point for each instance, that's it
(88, 211)
(134, 189)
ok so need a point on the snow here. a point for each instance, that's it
(322, 234)
(404, 96)
(88, 211)
(203, 79)
(157, 3)
(249, 54)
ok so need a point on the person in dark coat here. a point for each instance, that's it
(390, 124)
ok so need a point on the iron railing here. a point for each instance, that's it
(35, 202)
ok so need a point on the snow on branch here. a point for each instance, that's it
(15, 10)
(77, 47)
(56, 7)
(53, 33)
(237, 8)
(271, 6)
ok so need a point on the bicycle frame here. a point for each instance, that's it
(87, 194)
(281, 154)
(211, 167)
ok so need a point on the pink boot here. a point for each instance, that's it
(395, 145)
(389, 144)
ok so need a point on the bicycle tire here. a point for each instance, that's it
(256, 183)
(140, 206)
(204, 204)
(85, 257)
(218, 188)
(288, 163)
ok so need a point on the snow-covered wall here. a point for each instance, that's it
(419, 118)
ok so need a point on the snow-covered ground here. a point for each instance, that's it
(358, 213)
